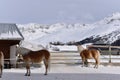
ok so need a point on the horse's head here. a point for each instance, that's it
(19, 57)
(21, 52)
(80, 48)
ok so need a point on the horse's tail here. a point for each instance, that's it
(98, 56)
(49, 64)
(49, 61)
(99, 53)
(2, 59)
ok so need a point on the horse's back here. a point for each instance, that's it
(42, 52)
(95, 53)
(37, 56)
(90, 53)
(46, 53)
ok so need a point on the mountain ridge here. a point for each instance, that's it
(105, 31)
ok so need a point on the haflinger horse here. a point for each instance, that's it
(89, 54)
(29, 56)
(1, 63)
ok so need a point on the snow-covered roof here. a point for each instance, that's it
(10, 32)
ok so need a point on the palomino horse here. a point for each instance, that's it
(1, 63)
(29, 56)
(89, 54)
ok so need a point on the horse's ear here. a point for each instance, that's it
(20, 43)
(17, 45)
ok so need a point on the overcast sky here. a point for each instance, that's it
(54, 11)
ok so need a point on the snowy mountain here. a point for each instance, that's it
(104, 31)
(111, 26)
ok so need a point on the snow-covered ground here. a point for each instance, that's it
(65, 72)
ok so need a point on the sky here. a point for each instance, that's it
(56, 11)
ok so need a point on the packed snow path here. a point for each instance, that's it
(65, 72)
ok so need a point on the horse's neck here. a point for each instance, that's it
(23, 50)
(80, 48)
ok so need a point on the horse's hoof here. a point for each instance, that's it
(45, 74)
(96, 67)
(26, 75)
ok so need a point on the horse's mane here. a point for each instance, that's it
(23, 50)
(80, 48)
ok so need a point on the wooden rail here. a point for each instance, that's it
(65, 58)
(74, 58)
(106, 46)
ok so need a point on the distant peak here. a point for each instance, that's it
(112, 18)
(116, 15)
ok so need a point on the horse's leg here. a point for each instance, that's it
(86, 63)
(46, 66)
(1, 68)
(96, 63)
(28, 70)
(83, 62)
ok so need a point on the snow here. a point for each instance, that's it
(64, 72)
(38, 36)
(62, 32)
(10, 35)
(31, 46)
(67, 48)
(9, 31)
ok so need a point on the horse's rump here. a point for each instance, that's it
(1, 58)
(92, 53)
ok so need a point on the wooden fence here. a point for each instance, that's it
(65, 58)
(74, 57)
(109, 49)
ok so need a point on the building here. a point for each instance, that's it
(9, 37)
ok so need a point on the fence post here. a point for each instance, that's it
(109, 54)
